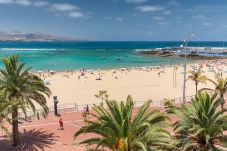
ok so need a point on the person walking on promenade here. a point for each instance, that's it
(87, 109)
(61, 124)
(84, 112)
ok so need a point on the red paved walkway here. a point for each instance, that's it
(44, 134)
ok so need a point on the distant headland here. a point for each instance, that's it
(32, 37)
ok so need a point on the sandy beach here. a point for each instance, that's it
(155, 83)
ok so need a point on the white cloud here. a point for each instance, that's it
(223, 26)
(64, 7)
(136, 1)
(6, 1)
(108, 18)
(76, 15)
(206, 24)
(200, 16)
(162, 23)
(173, 3)
(150, 8)
(41, 3)
(157, 18)
(23, 2)
(167, 12)
(119, 19)
(178, 17)
(150, 33)
(89, 13)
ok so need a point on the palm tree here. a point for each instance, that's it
(220, 84)
(118, 129)
(23, 88)
(196, 76)
(201, 124)
(103, 95)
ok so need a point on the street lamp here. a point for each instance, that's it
(55, 105)
(185, 65)
(198, 41)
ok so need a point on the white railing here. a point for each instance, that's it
(73, 107)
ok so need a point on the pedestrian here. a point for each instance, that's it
(61, 124)
(87, 109)
(84, 112)
(38, 115)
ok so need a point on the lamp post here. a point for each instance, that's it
(185, 66)
(55, 105)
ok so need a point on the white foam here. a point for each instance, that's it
(25, 49)
(137, 50)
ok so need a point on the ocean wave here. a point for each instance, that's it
(25, 49)
(100, 49)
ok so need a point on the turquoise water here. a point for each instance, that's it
(90, 55)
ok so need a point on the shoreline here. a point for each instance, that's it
(134, 67)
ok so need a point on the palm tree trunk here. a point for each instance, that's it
(222, 101)
(16, 140)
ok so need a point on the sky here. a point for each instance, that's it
(118, 20)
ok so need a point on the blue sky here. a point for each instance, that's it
(118, 19)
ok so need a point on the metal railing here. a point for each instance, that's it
(74, 107)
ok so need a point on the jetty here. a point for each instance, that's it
(190, 52)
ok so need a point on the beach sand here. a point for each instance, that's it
(141, 83)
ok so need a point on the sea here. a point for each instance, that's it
(93, 54)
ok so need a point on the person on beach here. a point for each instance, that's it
(61, 124)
